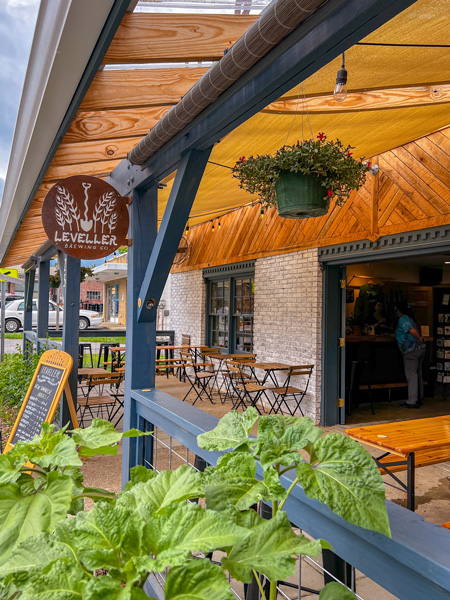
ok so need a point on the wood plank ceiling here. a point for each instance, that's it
(412, 191)
(397, 94)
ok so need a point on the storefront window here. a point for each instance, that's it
(232, 329)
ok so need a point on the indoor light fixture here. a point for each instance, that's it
(212, 227)
(218, 226)
(262, 212)
(187, 227)
(340, 91)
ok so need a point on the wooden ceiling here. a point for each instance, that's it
(122, 105)
(412, 191)
(397, 94)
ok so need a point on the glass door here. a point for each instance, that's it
(112, 303)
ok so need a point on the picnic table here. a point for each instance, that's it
(407, 445)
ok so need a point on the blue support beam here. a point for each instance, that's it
(330, 348)
(70, 338)
(182, 195)
(30, 277)
(333, 28)
(43, 292)
(141, 337)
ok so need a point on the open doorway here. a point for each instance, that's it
(375, 382)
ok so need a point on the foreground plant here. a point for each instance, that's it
(149, 526)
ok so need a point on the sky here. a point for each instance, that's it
(17, 22)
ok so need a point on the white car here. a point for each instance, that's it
(15, 309)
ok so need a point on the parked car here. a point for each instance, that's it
(10, 298)
(14, 316)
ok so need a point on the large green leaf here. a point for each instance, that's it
(139, 474)
(24, 516)
(61, 581)
(269, 549)
(105, 588)
(336, 591)
(99, 433)
(197, 580)
(231, 432)
(34, 553)
(10, 467)
(281, 436)
(228, 489)
(56, 450)
(345, 477)
(166, 488)
(190, 528)
(106, 537)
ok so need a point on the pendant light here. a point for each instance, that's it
(340, 91)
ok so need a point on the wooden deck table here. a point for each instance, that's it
(407, 445)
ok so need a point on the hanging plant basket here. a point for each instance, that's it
(300, 196)
(301, 179)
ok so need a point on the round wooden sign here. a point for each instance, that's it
(85, 217)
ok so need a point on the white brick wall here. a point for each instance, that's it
(287, 326)
(287, 322)
(187, 300)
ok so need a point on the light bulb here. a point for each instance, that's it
(340, 92)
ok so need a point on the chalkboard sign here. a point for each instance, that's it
(43, 396)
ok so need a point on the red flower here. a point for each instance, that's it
(369, 165)
(242, 159)
(349, 153)
(330, 193)
(321, 136)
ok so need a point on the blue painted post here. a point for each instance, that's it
(330, 350)
(141, 337)
(70, 337)
(28, 308)
(43, 292)
(182, 195)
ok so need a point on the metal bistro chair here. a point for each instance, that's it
(287, 391)
(94, 399)
(247, 391)
(200, 379)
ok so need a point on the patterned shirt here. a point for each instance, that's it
(406, 341)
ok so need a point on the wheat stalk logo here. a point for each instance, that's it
(103, 209)
(112, 222)
(66, 210)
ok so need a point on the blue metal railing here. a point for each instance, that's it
(414, 564)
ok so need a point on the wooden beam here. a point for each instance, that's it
(152, 38)
(96, 169)
(86, 152)
(139, 87)
(112, 124)
(385, 99)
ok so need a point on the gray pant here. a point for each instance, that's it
(413, 362)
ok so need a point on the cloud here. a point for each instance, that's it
(17, 22)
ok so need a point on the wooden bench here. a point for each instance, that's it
(384, 386)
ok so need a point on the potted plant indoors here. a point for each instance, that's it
(301, 179)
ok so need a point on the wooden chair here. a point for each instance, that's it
(95, 400)
(287, 391)
(247, 391)
(185, 340)
(200, 378)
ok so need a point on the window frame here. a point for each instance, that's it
(230, 274)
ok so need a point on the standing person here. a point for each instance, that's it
(413, 351)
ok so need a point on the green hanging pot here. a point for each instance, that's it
(300, 196)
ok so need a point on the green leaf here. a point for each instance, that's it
(198, 580)
(280, 436)
(61, 581)
(272, 482)
(345, 477)
(34, 553)
(269, 549)
(336, 591)
(139, 474)
(7, 590)
(190, 528)
(231, 432)
(228, 489)
(102, 588)
(105, 537)
(10, 467)
(99, 433)
(24, 516)
(56, 450)
(88, 452)
(167, 488)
